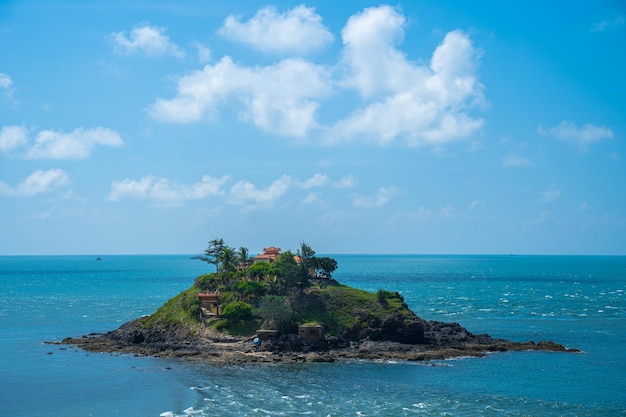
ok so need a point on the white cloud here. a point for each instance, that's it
(370, 55)
(418, 103)
(382, 197)
(476, 205)
(348, 181)
(6, 84)
(164, 192)
(38, 182)
(316, 180)
(311, 198)
(279, 98)
(5, 81)
(581, 137)
(74, 145)
(424, 213)
(244, 192)
(204, 53)
(145, 39)
(608, 24)
(515, 161)
(551, 194)
(13, 137)
(299, 30)
(49, 144)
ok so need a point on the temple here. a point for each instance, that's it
(269, 255)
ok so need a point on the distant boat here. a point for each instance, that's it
(98, 258)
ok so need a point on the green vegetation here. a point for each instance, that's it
(343, 310)
(296, 288)
(182, 309)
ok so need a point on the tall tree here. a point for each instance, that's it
(228, 259)
(308, 263)
(262, 271)
(242, 254)
(287, 271)
(326, 266)
(213, 253)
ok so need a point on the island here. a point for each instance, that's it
(285, 307)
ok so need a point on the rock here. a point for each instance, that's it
(550, 346)
(317, 357)
(397, 337)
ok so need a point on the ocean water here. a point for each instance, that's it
(577, 301)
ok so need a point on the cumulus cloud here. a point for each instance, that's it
(6, 85)
(163, 192)
(280, 98)
(348, 181)
(476, 205)
(50, 144)
(398, 100)
(145, 39)
(613, 23)
(13, 137)
(370, 55)
(244, 192)
(317, 180)
(204, 53)
(5, 81)
(299, 30)
(74, 145)
(421, 104)
(311, 198)
(551, 194)
(580, 137)
(38, 182)
(424, 213)
(382, 197)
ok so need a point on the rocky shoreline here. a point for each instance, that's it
(441, 341)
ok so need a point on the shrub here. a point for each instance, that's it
(249, 288)
(237, 311)
(382, 296)
(207, 282)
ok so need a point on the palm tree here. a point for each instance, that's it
(243, 260)
(228, 259)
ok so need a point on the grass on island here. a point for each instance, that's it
(336, 307)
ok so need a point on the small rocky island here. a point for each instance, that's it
(285, 307)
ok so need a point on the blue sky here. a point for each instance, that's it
(409, 127)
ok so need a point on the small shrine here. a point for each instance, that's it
(210, 303)
(311, 332)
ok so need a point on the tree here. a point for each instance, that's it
(308, 263)
(249, 290)
(213, 253)
(261, 271)
(326, 266)
(228, 259)
(306, 254)
(277, 310)
(288, 271)
(242, 255)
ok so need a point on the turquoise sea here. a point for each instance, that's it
(578, 301)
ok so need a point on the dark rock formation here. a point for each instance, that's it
(394, 338)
